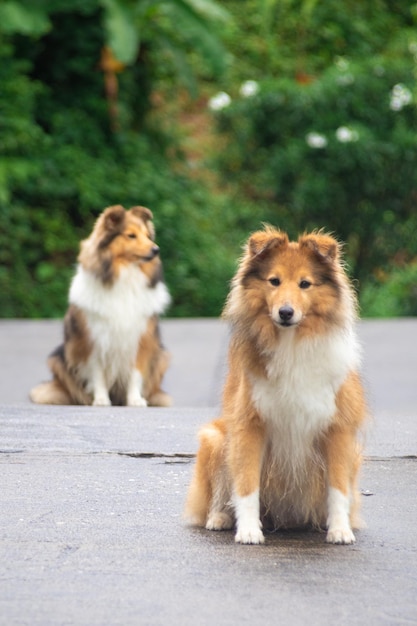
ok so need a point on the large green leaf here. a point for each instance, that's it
(23, 18)
(122, 31)
(198, 30)
(208, 8)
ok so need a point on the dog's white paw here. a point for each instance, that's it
(339, 529)
(219, 521)
(340, 536)
(101, 400)
(250, 534)
(249, 527)
(136, 401)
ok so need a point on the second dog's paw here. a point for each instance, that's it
(101, 400)
(136, 401)
(340, 536)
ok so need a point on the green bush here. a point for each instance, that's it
(338, 153)
(54, 206)
(61, 164)
(63, 158)
(395, 295)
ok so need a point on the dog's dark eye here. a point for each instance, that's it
(131, 235)
(305, 284)
(275, 282)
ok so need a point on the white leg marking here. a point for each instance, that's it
(100, 392)
(134, 396)
(339, 530)
(249, 527)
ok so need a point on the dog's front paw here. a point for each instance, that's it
(250, 534)
(219, 521)
(101, 400)
(136, 400)
(340, 536)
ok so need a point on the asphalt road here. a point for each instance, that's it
(92, 498)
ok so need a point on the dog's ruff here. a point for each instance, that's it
(111, 348)
(285, 452)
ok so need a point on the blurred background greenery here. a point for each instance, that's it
(218, 116)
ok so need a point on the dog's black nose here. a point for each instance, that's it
(286, 313)
(155, 251)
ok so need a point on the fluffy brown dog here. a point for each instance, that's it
(112, 351)
(285, 452)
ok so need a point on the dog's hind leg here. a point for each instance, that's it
(62, 389)
(199, 505)
(65, 380)
(51, 392)
(152, 361)
(221, 516)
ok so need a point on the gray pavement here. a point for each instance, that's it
(90, 522)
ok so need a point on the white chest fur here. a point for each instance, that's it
(297, 398)
(117, 315)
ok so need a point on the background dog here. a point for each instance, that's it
(112, 351)
(285, 452)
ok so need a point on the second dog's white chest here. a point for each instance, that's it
(117, 316)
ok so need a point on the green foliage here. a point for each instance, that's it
(393, 296)
(170, 24)
(275, 38)
(337, 65)
(61, 164)
(23, 17)
(73, 140)
(338, 153)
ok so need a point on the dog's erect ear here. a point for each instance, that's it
(262, 242)
(142, 213)
(146, 216)
(114, 217)
(324, 246)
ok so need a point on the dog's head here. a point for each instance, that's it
(119, 238)
(295, 284)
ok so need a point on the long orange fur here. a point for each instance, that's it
(293, 403)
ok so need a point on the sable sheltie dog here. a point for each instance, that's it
(285, 452)
(112, 351)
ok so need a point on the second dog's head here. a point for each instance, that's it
(120, 238)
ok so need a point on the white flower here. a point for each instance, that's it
(315, 140)
(412, 46)
(346, 135)
(379, 70)
(342, 63)
(220, 101)
(249, 88)
(345, 79)
(400, 97)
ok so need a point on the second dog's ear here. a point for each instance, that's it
(142, 212)
(114, 217)
(145, 214)
(261, 242)
(324, 246)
